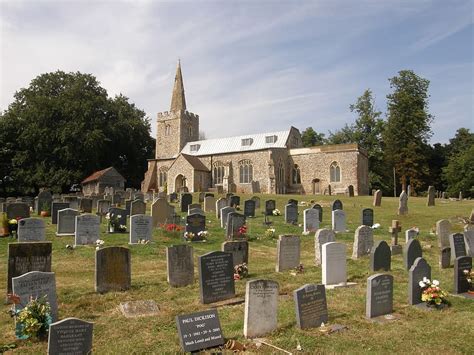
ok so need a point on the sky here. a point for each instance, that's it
(249, 66)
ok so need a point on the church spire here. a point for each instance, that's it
(178, 101)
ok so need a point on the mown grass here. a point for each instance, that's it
(447, 331)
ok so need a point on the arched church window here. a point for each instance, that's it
(334, 172)
(218, 171)
(167, 130)
(296, 175)
(245, 171)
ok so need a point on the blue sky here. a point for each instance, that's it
(249, 66)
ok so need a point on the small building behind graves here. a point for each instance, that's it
(96, 183)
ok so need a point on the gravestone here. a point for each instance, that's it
(379, 299)
(458, 246)
(249, 208)
(216, 277)
(228, 196)
(200, 330)
(186, 200)
(224, 213)
(445, 258)
(209, 204)
(431, 196)
(26, 257)
(333, 264)
(55, 207)
(350, 191)
(85, 205)
(220, 204)
(208, 194)
(310, 220)
(394, 230)
(320, 210)
(322, 236)
(36, 284)
(103, 207)
(196, 223)
(336, 205)
(380, 257)
(66, 222)
(339, 221)
(201, 197)
(417, 272)
(291, 213)
(363, 242)
(87, 229)
(172, 197)
(270, 205)
(410, 234)
(367, 217)
(137, 207)
(18, 210)
(44, 201)
(469, 239)
(261, 308)
(196, 211)
(256, 199)
(141, 228)
(70, 336)
(117, 199)
(403, 204)
(31, 230)
(377, 198)
(443, 230)
(161, 212)
(411, 251)
(194, 206)
(288, 252)
(310, 306)
(460, 281)
(235, 221)
(234, 201)
(409, 190)
(239, 250)
(73, 202)
(112, 269)
(292, 201)
(180, 265)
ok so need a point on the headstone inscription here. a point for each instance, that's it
(141, 227)
(87, 229)
(291, 213)
(411, 251)
(261, 308)
(443, 230)
(66, 222)
(55, 207)
(458, 246)
(70, 336)
(288, 252)
(363, 241)
(198, 331)
(379, 299)
(333, 262)
(377, 198)
(31, 230)
(112, 269)
(367, 217)
(417, 272)
(186, 200)
(239, 250)
(249, 208)
(339, 220)
(310, 306)
(380, 257)
(320, 210)
(26, 257)
(180, 265)
(216, 277)
(270, 206)
(322, 236)
(310, 220)
(461, 285)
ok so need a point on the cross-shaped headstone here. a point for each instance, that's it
(394, 230)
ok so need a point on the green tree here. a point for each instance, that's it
(408, 128)
(342, 136)
(63, 126)
(311, 138)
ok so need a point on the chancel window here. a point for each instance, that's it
(335, 172)
(245, 171)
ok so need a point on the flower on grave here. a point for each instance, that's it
(203, 234)
(189, 236)
(270, 233)
(13, 221)
(69, 247)
(432, 294)
(276, 212)
(34, 319)
(469, 275)
(299, 269)
(241, 271)
(99, 243)
(143, 241)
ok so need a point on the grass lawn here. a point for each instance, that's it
(417, 331)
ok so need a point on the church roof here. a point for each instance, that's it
(246, 143)
(195, 163)
(98, 174)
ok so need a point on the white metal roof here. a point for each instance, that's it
(234, 144)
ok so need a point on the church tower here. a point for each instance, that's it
(176, 127)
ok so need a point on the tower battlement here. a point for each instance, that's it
(168, 115)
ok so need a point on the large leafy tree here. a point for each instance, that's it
(63, 126)
(408, 128)
(311, 138)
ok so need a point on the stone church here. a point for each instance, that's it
(273, 162)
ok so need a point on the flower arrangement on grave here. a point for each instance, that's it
(237, 207)
(270, 233)
(13, 226)
(99, 243)
(297, 270)
(114, 223)
(203, 235)
(276, 212)
(241, 271)
(33, 320)
(171, 227)
(469, 275)
(143, 241)
(191, 237)
(242, 231)
(432, 294)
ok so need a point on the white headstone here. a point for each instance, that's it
(31, 230)
(140, 228)
(363, 242)
(261, 308)
(87, 229)
(334, 268)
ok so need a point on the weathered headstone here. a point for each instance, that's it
(336, 205)
(70, 336)
(161, 212)
(66, 222)
(249, 208)
(461, 264)
(257, 202)
(445, 258)
(310, 220)
(216, 277)
(394, 229)
(367, 217)
(234, 201)
(322, 236)
(403, 204)
(417, 272)
(18, 210)
(220, 204)
(31, 230)
(377, 198)
(112, 269)
(411, 251)
(180, 265)
(410, 234)
(87, 229)
(320, 210)
(235, 221)
(288, 252)
(73, 202)
(261, 308)
(270, 205)
(333, 262)
(141, 227)
(363, 242)
(291, 213)
(196, 223)
(379, 299)
(85, 205)
(103, 207)
(55, 207)
(339, 221)
(458, 246)
(431, 196)
(239, 250)
(311, 306)
(380, 257)
(209, 204)
(186, 200)
(443, 230)
(193, 206)
(137, 207)
(224, 213)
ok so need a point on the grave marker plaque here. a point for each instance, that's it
(311, 306)
(458, 246)
(249, 208)
(140, 228)
(417, 272)
(112, 269)
(216, 277)
(379, 299)
(367, 217)
(288, 252)
(31, 230)
(180, 265)
(70, 336)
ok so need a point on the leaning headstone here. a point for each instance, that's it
(239, 250)
(270, 206)
(339, 221)
(112, 269)
(180, 265)
(224, 213)
(70, 336)
(31, 230)
(209, 204)
(44, 201)
(367, 217)
(320, 210)
(36, 284)
(379, 299)
(66, 222)
(458, 246)
(410, 234)
(403, 204)
(310, 220)
(26, 257)
(137, 207)
(220, 204)
(216, 277)
(445, 258)
(377, 198)
(322, 236)
(417, 272)
(288, 252)
(461, 285)
(411, 251)
(261, 308)
(363, 242)
(311, 306)
(55, 208)
(336, 205)
(291, 213)
(334, 266)
(186, 200)
(431, 196)
(380, 257)
(196, 223)
(87, 229)
(443, 230)
(141, 227)
(249, 208)
(235, 223)
(18, 210)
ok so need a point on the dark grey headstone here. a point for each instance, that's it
(411, 251)
(239, 250)
(66, 222)
(199, 330)
(320, 209)
(180, 265)
(367, 217)
(31, 230)
(336, 205)
(85, 205)
(234, 201)
(119, 214)
(172, 197)
(18, 210)
(291, 213)
(458, 246)
(249, 208)
(137, 207)
(216, 277)
(70, 336)
(55, 208)
(235, 221)
(196, 223)
(270, 205)
(460, 282)
(186, 200)
(128, 205)
(311, 306)
(292, 201)
(417, 272)
(380, 257)
(288, 252)
(445, 258)
(379, 299)
(112, 269)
